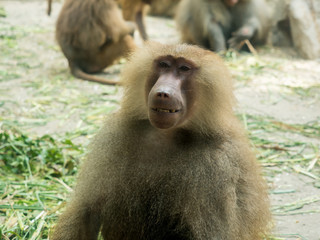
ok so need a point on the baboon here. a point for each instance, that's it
(92, 35)
(134, 10)
(49, 7)
(221, 24)
(166, 8)
(174, 162)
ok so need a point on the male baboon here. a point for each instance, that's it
(92, 35)
(174, 162)
(219, 24)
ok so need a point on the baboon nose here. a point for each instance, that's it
(163, 94)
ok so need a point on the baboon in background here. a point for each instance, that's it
(134, 10)
(174, 162)
(92, 35)
(165, 8)
(219, 24)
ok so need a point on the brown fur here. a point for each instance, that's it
(92, 35)
(134, 10)
(214, 25)
(196, 180)
(165, 8)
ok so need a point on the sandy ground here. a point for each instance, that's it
(267, 94)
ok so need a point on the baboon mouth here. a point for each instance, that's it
(163, 110)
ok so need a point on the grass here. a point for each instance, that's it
(35, 176)
(38, 173)
(312, 92)
(2, 12)
(294, 207)
(37, 170)
(44, 156)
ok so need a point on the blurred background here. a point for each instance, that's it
(48, 116)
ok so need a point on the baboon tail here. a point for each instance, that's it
(79, 73)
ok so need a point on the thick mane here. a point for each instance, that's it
(196, 179)
(215, 100)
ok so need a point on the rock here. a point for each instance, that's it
(304, 29)
(296, 23)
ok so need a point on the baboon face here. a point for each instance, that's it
(170, 91)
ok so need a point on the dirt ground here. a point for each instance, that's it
(38, 94)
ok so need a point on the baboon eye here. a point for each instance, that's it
(163, 64)
(184, 68)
